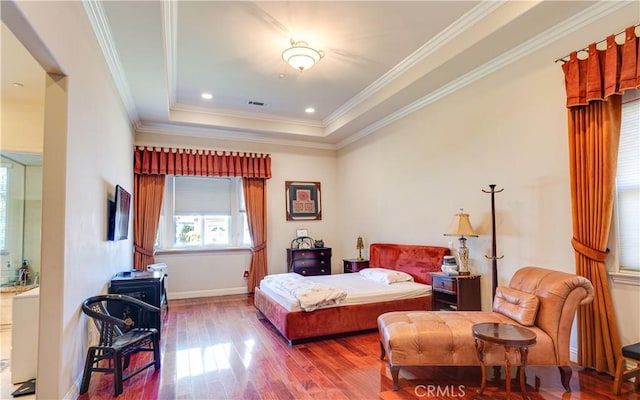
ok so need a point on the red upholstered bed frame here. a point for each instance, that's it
(416, 260)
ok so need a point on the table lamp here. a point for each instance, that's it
(360, 246)
(461, 226)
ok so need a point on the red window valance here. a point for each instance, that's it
(605, 72)
(154, 161)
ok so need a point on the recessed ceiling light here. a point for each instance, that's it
(309, 110)
(207, 96)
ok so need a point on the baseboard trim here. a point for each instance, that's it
(206, 293)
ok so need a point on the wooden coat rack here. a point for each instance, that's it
(494, 258)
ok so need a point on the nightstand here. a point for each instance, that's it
(451, 293)
(354, 265)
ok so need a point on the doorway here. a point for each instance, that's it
(21, 150)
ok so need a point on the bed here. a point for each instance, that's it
(296, 326)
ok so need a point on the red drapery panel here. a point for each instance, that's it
(153, 161)
(255, 200)
(594, 87)
(605, 72)
(148, 191)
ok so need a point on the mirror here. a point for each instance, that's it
(20, 220)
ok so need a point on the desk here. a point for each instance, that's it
(509, 336)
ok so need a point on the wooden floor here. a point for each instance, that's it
(220, 348)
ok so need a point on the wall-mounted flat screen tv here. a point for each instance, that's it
(119, 215)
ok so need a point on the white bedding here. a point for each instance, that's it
(360, 290)
(310, 295)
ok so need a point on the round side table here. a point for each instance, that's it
(511, 337)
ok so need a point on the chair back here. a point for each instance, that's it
(560, 294)
(100, 309)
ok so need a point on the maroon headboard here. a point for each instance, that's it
(416, 260)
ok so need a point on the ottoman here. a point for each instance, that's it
(425, 338)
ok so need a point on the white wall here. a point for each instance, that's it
(439, 159)
(87, 151)
(507, 129)
(22, 126)
(220, 272)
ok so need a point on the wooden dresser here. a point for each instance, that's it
(309, 261)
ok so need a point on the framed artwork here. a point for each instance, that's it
(301, 233)
(303, 201)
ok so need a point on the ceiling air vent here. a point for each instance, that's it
(256, 103)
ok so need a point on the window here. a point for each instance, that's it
(203, 212)
(628, 189)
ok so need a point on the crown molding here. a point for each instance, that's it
(437, 42)
(224, 134)
(100, 25)
(249, 116)
(537, 42)
(96, 15)
(169, 12)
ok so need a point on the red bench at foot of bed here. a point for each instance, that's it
(419, 261)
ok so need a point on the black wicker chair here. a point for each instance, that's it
(119, 338)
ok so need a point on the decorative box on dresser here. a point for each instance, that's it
(316, 261)
(354, 265)
(461, 292)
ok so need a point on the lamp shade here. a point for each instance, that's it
(461, 226)
(300, 56)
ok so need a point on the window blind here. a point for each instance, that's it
(202, 195)
(628, 188)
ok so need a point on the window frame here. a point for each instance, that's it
(618, 273)
(165, 243)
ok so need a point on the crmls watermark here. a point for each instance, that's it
(438, 391)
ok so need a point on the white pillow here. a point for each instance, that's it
(386, 275)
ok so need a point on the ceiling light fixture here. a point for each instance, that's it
(207, 96)
(309, 110)
(300, 56)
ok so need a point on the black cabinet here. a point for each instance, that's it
(143, 285)
(315, 261)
